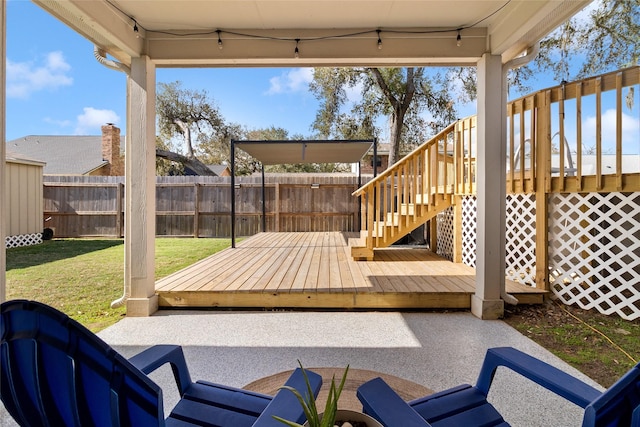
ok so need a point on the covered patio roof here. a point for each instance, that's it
(143, 35)
(264, 32)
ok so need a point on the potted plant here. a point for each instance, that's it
(331, 413)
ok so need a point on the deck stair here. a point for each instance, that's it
(405, 196)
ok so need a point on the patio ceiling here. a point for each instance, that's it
(263, 32)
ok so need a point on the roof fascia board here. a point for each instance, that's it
(19, 161)
(101, 24)
(509, 37)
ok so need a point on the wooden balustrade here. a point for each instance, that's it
(546, 150)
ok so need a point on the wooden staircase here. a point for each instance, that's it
(408, 194)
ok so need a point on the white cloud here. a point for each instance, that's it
(296, 80)
(24, 78)
(92, 119)
(630, 131)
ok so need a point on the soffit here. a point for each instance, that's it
(181, 33)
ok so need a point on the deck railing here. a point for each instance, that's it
(418, 183)
(557, 141)
(572, 136)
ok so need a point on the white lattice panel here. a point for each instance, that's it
(594, 251)
(521, 238)
(23, 240)
(469, 221)
(444, 221)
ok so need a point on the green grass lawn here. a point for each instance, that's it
(82, 276)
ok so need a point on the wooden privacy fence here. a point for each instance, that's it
(200, 206)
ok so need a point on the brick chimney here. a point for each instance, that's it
(111, 149)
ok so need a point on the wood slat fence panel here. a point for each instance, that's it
(200, 206)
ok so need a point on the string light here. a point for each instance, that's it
(219, 40)
(296, 52)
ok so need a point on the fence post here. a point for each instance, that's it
(276, 207)
(196, 210)
(119, 222)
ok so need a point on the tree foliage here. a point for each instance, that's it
(193, 133)
(412, 103)
(186, 119)
(399, 94)
(604, 38)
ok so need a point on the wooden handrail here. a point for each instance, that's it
(387, 173)
(445, 165)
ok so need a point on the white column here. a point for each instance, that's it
(3, 156)
(140, 187)
(491, 189)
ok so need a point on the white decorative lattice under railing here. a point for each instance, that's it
(469, 237)
(444, 221)
(23, 240)
(521, 238)
(594, 247)
(594, 251)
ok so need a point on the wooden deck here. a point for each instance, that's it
(315, 270)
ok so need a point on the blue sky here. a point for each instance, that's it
(55, 86)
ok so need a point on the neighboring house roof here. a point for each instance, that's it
(63, 154)
(630, 163)
(218, 169)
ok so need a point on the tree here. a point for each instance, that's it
(183, 113)
(400, 94)
(606, 37)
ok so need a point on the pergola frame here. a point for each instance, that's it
(262, 33)
(334, 155)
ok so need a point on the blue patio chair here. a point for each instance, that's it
(467, 405)
(55, 372)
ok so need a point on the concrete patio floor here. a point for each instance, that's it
(437, 350)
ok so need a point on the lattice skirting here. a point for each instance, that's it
(23, 240)
(469, 235)
(520, 236)
(594, 251)
(444, 222)
(594, 247)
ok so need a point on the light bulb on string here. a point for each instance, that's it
(219, 40)
(379, 40)
(296, 52)
(459, 39)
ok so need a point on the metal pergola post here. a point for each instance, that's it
(233, 194)
(264, 205)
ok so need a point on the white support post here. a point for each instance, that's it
(140, 186)
(491, 190)
(3, 153)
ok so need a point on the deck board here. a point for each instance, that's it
(315, 270)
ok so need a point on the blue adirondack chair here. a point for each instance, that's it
(467, 405)
(55, 372)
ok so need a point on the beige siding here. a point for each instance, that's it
(24, 198)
